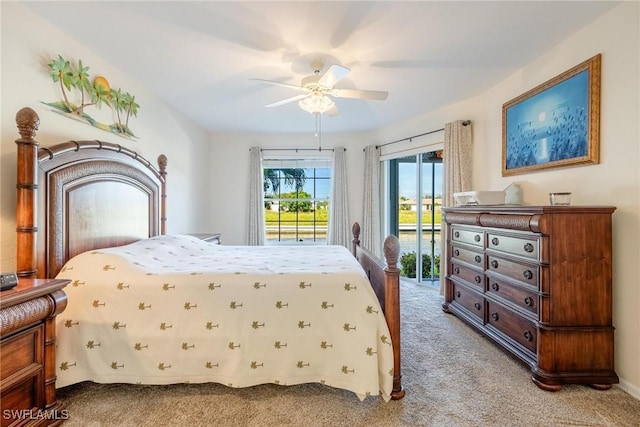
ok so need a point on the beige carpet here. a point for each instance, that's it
(452, 375)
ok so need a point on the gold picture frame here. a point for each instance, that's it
(555, 124)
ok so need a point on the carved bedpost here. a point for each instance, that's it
(392, 308)
(162, 164)
(27, 121)
(355, 231)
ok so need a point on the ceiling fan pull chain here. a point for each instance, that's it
(319, 130)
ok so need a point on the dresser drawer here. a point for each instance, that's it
(522, 299)
(19, 398)
(467, 255)
(474, 278)
(471, 301)
(513, 325)
(21, 351)
(525, 247)
(470, 237)
(528, 275)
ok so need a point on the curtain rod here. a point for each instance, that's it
(298, 149)
(465, 123)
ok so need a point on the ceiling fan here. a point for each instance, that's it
(318, 90)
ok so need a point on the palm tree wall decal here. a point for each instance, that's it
(75, 77)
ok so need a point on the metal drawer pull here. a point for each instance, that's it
(478, 279)
(456, 234)
(528, 274)
(456, 252)
(528, 247)
(494, 264)
(495, 316)
(495, 286)
(456, 270)
(476, 237)
(528, 336)
(528, 301)
(478, 258)
(477, 306)
(495, 241)
(457, 294)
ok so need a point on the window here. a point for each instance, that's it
(296, 200)
(416, 220)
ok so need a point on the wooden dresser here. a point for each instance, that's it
(536, 280)
(27, 353)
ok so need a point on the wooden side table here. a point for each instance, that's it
(27, 350)
(214, 238)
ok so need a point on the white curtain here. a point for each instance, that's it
(457, 163)
(371, 233)
(255, 220)
(339, 231)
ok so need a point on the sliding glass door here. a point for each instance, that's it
(415, 190)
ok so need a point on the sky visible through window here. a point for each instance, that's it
(407, 180)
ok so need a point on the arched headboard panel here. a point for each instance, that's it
(81, 195)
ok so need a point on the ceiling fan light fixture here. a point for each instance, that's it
(316, 104)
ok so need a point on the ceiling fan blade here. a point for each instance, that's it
(288, 100)
(333, 111)
(333, 75)
(271, 82)
(377, 95)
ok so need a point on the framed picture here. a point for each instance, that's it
(555, 124)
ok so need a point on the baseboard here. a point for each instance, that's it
(632, 389)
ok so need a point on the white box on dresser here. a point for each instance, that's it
(537, 281)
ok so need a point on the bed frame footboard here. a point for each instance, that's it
(385, 280)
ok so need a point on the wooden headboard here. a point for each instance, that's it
(81, 195)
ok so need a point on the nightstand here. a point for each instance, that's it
(27, 350)
(214, 238)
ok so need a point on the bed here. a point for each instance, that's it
(146, 307)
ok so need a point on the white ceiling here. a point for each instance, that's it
(199, 57)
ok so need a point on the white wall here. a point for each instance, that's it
(615, 181)
(28, 44)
